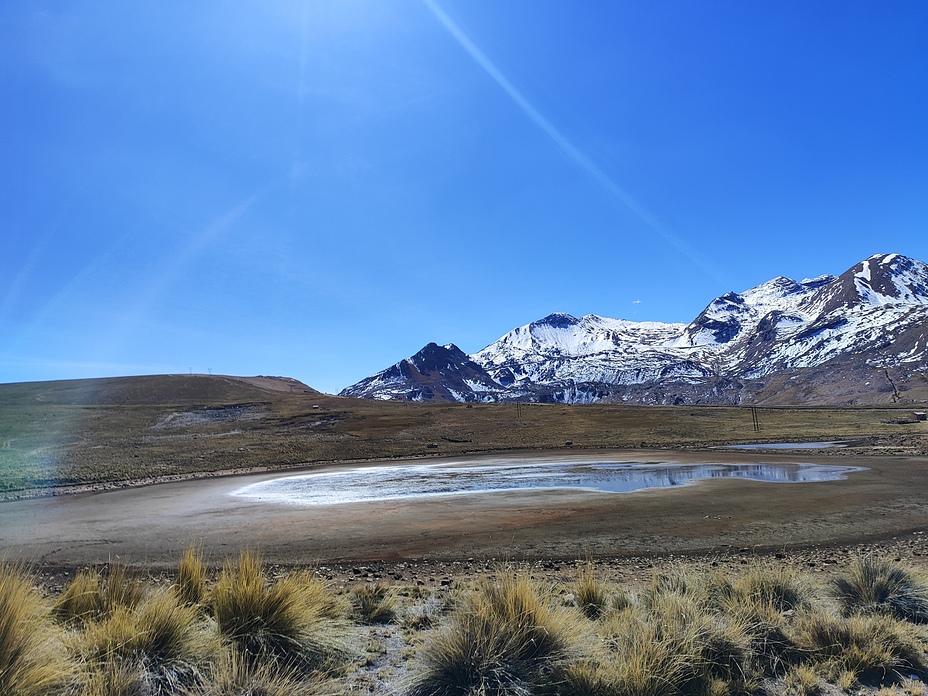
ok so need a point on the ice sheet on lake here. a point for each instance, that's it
(470, 477)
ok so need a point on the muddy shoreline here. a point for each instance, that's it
(149, 526)
(855, 448)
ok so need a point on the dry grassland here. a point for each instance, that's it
(758, 628)
(99, 432)
(806, 622)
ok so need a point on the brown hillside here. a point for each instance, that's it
(55, 435)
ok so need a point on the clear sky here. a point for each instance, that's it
(318, 189)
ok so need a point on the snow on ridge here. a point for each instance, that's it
(480, 386)
(589, 335)
(783, 293)
(864, 272)
(796, 316)
(780, 324)
(892, 279)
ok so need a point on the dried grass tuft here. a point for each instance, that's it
(190, 584)
(505, 639)
(33, 661)
(160, 644)
(876, 586)
(285, 622)
(373, 603)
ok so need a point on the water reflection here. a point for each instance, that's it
(415, 480)
(792, 445)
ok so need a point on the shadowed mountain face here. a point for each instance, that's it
(436, 372)
(861, 337)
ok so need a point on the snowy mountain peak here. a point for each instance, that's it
(558, 320)
(817, 282)
(879, 281)
(720, 322)
(887, 278)
(775, 291)
(873, 314)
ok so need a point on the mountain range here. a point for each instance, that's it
(860, 337)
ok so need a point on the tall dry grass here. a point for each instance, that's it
(92, 594)
(802, 680)
(81, 599)
(191, 581)
(373, 603)
(779, 588)
(592, 596)
(673, 643)
(639, 658)
(33, 661)
(232, 675)
(866, 646)
(505, 639)
(872, 585)
(287, 622)
(686, 634)
(764, 601)
(154, 648)
(702, 634)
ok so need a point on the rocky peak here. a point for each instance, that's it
(897, 277)
(436, 358)
(557, 320)
(882, 279)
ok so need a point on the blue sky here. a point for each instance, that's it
(317, 189)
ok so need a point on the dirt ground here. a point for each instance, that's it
(150, 526)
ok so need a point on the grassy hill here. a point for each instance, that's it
(96, 432)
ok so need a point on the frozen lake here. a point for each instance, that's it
(498, 475)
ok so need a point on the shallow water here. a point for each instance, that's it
(468, 477)
(790, 445)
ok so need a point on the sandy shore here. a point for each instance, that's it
(151, 525)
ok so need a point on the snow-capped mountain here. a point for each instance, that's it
(858, 337)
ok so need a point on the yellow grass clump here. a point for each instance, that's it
(286, 622)
(505, 639)
(92, 595)
(866, 646)
(232, 675)
(33, 661)
(724, 633)
(190, 584)
(373, 603)
(160, 644)
(871, 585)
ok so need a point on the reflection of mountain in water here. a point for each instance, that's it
(411, 481)
(665, 477)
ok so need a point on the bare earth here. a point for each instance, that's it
(151, 525)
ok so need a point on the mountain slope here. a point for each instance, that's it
(742, 348)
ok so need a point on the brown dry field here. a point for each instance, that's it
(168, 444)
